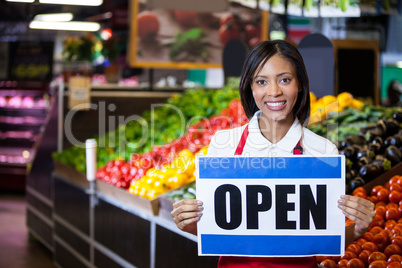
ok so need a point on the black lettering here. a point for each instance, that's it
(252, 203)
(235, 207)
(318, 210)
(282, 207)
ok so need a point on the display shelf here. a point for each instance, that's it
(23, 115)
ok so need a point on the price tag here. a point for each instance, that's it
(79, 93)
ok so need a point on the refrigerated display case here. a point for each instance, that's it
(23, 113)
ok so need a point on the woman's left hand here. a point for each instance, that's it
(360, 211)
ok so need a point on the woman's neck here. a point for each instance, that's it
(274, 131)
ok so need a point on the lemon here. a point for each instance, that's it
(345, 99)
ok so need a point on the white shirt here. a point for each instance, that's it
(224, 142)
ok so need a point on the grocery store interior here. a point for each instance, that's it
(105, 106)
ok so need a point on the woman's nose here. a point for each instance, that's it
(274, 90)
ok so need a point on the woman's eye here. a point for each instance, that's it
(285, 80)
(260, 82)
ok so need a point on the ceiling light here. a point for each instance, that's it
(66, 26)
(21, 1)
(73, 2)
(54, 17)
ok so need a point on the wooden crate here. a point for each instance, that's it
(382, 179)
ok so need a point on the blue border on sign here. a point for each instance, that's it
(270, 245)
(270, 167)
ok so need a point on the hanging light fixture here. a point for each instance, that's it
(82, 26)
(21, 1)
(73, 2)
(54, 17)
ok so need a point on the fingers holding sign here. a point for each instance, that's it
(186, 213)
(359, 210)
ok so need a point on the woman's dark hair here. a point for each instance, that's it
(255, 62)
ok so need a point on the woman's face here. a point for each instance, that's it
(275, 89)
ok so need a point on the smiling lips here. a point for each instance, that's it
(275, 105)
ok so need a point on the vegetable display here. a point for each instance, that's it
(173, 118)
(381, 245)
(368, 136)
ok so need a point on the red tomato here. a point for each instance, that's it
(387, 185)
(373, 199)
(368, 236)
(371, 246)
(398, 225)
(360, 194)
(390, 224)
(354, 248)
(376, 229)
(186, 18)
(387, 234)
(380, 241)
(147, 24)
(395, 232)
(394, 179)
(364, 256)
(343, 263)
(383, 195)
(392, 214)
(328, 263)
(375, 190)
(397, 240)
(349, 255)
(380, 211)
(359, 189)
(378, 221)
(360, 241)
(336, 259)
(377, 256)
(395, 258)
(399, 181)
(378, 264)
(392, 250)
(400, 208)
(394, 265)
(395, 187)
(228, 32)
(356, 263)
(391, 205)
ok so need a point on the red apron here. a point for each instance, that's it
(262, 262)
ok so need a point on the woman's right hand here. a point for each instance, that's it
(186, 213)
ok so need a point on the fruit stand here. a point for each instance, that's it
(123, 218)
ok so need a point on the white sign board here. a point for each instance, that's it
(271, 206)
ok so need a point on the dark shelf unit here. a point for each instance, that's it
(21, 128)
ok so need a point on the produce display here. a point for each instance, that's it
(193, 105)
(162, 169)
(368, 136)
(381, 245)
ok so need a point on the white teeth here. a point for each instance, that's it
(275, 104)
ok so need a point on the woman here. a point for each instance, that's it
(274, 92)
